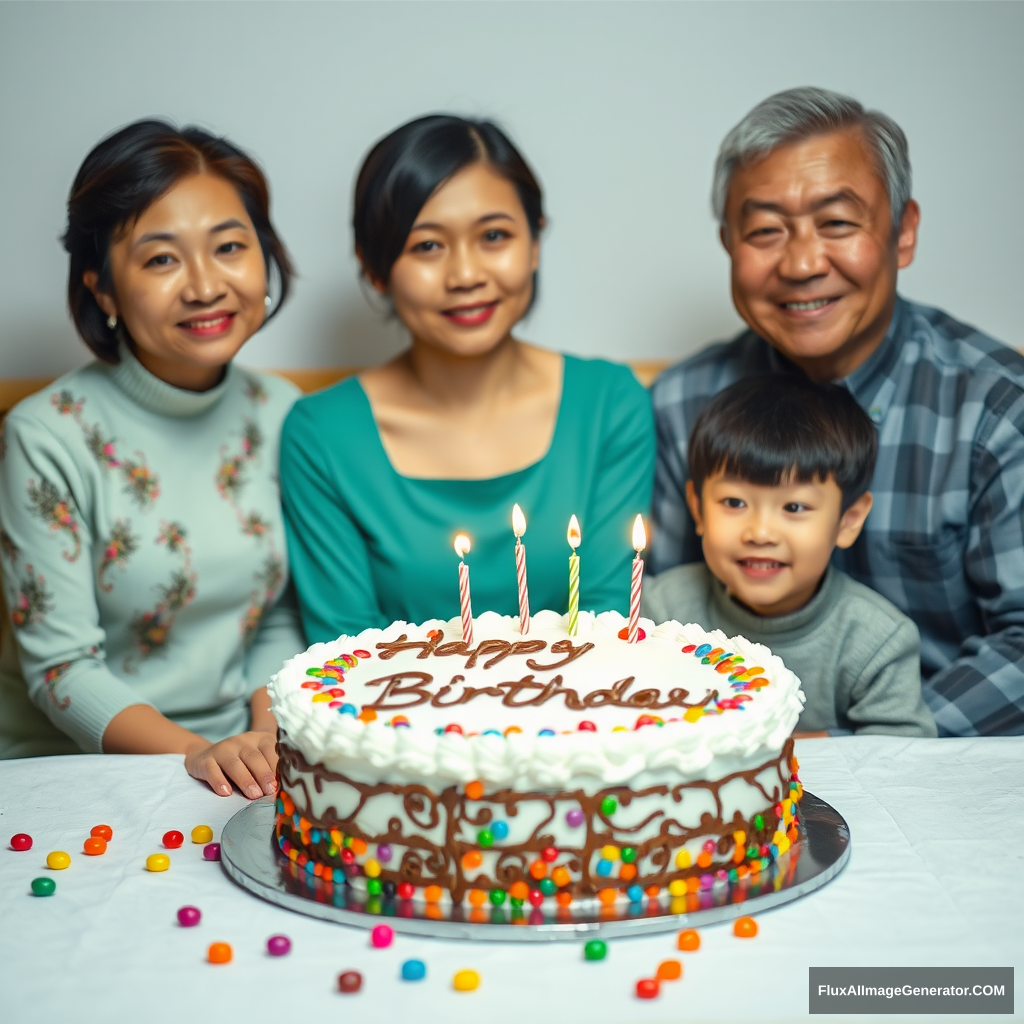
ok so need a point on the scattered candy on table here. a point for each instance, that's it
(350, 981)
(279, 945)
(382, 936)
(211, 851)
(173, 839)
(43, 886)
(744, 927)
(158, 862)
(21, 841)
(58, 860)
(104, 832)
(202, 834)
(669, 970)
(219, 953)
(189, 917)
(595, 949)
(689, 940)
(647, 988)
(414, 970)
(466, 981)
(94, 846)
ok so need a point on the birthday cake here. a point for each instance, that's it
(544, 769)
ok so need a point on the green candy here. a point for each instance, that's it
(628, 854)
(758, 821)
(497, 896)
(595, 949)
(43, 886)
(374, 887)
(485, 838)
(752, 850)
(516, 902)
(547, 886)
(609, 806)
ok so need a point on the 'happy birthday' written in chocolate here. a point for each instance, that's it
(410, 689)
(498, 650)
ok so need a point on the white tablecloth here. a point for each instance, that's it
(935, 878)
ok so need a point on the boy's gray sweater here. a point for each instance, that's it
(857, 656)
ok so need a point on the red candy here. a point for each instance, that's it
(350, 981)
(536, 897)
(405, 890)
(453, 728)
(587, 727)
(647, 988)
(172, 840)
(549, 853)
(104, 832)
(21, 842)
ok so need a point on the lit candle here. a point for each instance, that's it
(462, 547)
(519, 528)
(573, 536)
(639, 543)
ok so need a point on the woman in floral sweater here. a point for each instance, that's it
(142, 550)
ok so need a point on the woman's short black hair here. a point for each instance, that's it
(776, 427)
(405, 168)
(121, 178)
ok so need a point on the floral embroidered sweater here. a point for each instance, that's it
(142, 555)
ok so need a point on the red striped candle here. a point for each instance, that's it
(462, 547)
(639, 543)
(519, 528)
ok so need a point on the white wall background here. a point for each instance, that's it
(618, 106)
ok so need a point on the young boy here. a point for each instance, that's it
(779, 475)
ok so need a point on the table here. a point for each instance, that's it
(934, 879)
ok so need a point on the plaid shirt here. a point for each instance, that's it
(945, 538)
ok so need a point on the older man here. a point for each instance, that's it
(812, 194)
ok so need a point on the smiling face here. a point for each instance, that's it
(465, 276)
(770, 546)
(814, 254)
(189, 282)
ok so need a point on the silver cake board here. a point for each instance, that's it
(251, 858)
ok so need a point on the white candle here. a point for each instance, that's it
(639, 543)
(462, 547)
(519, 528)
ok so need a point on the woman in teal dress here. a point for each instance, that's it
(380, 472)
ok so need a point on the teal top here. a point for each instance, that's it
(142, 555)
(369, 546)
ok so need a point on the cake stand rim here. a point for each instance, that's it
(251, 861)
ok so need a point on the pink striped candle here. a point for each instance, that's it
(639, 543)
(462, 547)
(519, 528)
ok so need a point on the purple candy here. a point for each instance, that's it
(279, 945)
(707, 881)
(188, 917)
(211, 851)
(384, 853)
(574, 818)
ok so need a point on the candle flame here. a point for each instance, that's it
(518, 521)
(639, 534)
(573, 535)
(462, 545)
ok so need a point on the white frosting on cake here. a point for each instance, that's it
(722, 740)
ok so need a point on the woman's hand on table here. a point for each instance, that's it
(249, 760)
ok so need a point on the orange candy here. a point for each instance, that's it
(692, 884)
(471, 860)
(219, 953)
(563, 899)
(94, 846)
(511, 729)
(538, 869)
(669, 970)
(561, 877)
(477, 897)
(367, 715)
(359, 847)
(704, 859)
(744, 928)
(689, 940)
(475, 790)
(653, 890)
(104, 832)
(286, 802)
(432, 893)
(627, 872)
(519, 890)
(607, 896)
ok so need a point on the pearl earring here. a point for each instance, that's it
(268, 301)
(112, 321)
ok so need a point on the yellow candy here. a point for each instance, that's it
(466, 981)
(58, 860)
(619, 728)
(683, 859)
(371, 868)
(677, 887)
(610, 852)
(693, 714)
(202, 834)
(321, 698)
(783, 845)
(158, 862)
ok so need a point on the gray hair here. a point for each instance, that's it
(798, 114)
